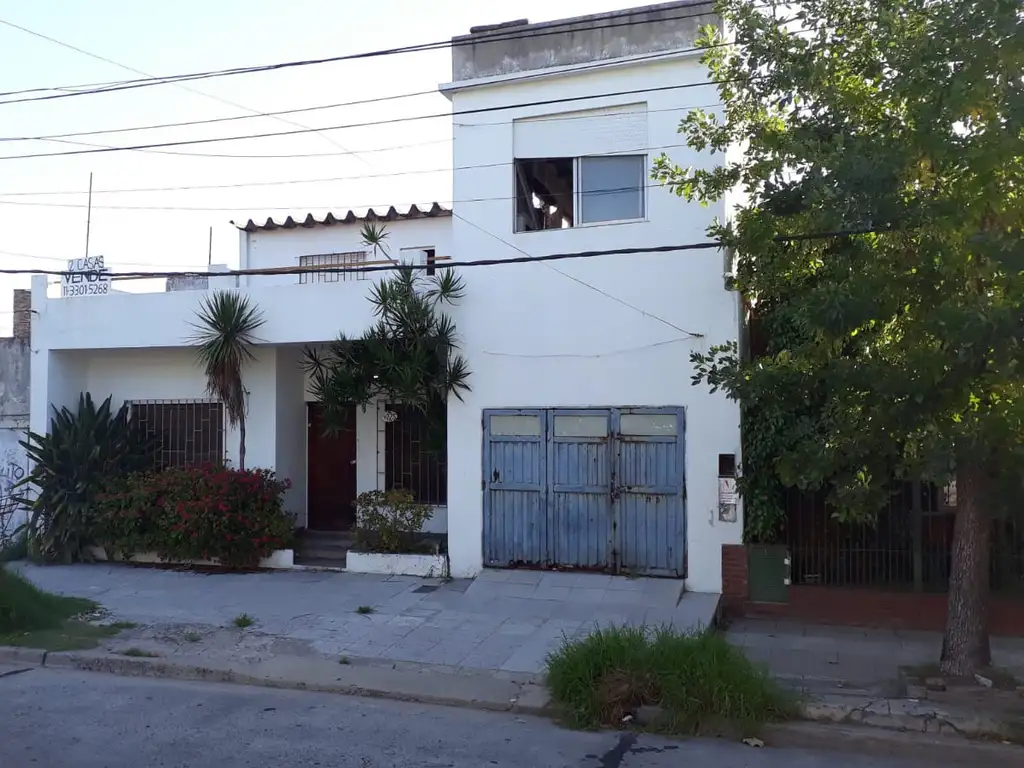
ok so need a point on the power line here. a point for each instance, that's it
(579, 281)
(382, 268)
(317, 206)
(371, 123)
(358, 102)
(254, 112)
(555, 28)
(526, 259)
(135, 190)
(65, 259)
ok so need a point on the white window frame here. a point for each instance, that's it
(577, 185)
(577, 196)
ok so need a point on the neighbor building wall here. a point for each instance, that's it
(603, 331)
(15, 394)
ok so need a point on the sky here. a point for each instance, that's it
(380, 165)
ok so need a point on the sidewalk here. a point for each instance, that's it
(816, 656)
(504, 620)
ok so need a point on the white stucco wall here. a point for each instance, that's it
(284, 247)
(537, 338)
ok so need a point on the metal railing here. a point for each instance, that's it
(413, 458)
(188, 432)
(318, 261)
(908, 546)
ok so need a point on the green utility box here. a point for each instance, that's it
(768, 573)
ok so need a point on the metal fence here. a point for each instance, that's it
(908, 546)
(348, 259)
(188, 432)
(412, 460)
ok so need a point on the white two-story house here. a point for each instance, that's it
(582, 443)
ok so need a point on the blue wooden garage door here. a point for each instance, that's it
(599, 488)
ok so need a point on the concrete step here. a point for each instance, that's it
(321, 553)
(320, 561)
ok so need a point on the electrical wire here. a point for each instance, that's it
(554, 28)
(236, 105)
(584, 283)
(129, 275)
(321, 206)
(366, 124)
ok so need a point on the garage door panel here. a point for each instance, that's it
(586, 488)
(581, 529)
(515, 486)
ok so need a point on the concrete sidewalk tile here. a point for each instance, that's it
(558, 579)
(518, 576)
(549, 592)
(405, 650)
(588, 595)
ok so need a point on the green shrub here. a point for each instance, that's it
(699, 681)
(389, 521)
(81, 451)
(235, 516)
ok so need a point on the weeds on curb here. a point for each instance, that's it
(365, 610)
(32, 618)
(138, 653)
(243, 620)
(122, 625)
(192, 637)
(344, 660)
(692, 683)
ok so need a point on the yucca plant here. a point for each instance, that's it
(70, 464)
(408, 355)
(225, 333)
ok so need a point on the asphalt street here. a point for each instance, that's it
(58, 718)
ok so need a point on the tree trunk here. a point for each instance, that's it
(965, 646)
(241, 443)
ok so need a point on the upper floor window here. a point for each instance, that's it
(563, 192)
(321, 264)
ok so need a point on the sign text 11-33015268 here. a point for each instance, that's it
(85, 277)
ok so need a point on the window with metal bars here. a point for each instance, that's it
(188, 432)
(323, 261)
(412, 460)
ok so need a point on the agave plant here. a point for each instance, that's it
(225, 333)
(408, 355)
(70, 464)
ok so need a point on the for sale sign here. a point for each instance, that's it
(87, 276)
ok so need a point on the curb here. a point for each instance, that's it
(477, 691)
(835, 714)
(16, 655)
(906, 715)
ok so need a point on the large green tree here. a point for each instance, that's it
(878, 224)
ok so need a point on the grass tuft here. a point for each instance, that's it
(700, 683)
(32, 618)
(365, 610)
(243, 620)
(192, 637)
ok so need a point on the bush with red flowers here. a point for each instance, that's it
(234, 516)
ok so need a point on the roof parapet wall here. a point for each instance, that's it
(518, 46)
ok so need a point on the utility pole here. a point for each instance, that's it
(88, 217)
(209, 249)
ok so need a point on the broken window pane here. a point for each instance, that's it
(612, 188)
(544, 193)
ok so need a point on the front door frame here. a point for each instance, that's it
(311, 407)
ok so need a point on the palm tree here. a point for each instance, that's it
(224, 336)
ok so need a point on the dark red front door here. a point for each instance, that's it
(331, 477)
